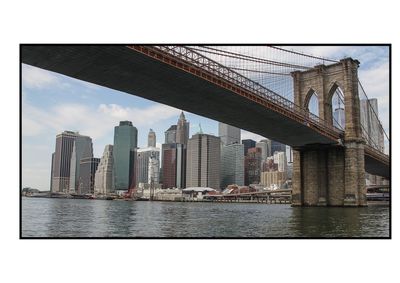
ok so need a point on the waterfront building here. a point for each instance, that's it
(232, 165)
(248, 144)
(104, 179)
(173, 166)
(203, 161)
(125, 142)
(83, 148)
(88, 167)
(151, 139)
(51, 171)
(62, 161)
(273, 178)
(228, 134)
(182, 130)
(277, 146)
(252, 166)
(170, 135)
(143, 157)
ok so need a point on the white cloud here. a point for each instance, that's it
(33, 77)
(95, 122)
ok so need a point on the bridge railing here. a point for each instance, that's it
(196, 59)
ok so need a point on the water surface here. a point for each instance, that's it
(44, 217)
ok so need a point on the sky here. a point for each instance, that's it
(52, 103)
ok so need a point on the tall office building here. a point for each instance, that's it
(370, 123)
(228, 134)
(125, 142)
(170, 135)
(62, 161)
(371, 126)
(51, 171)
(153, 175)
(265, 146)
(173, 166)
(151, 140)
(182, 130)
(232, 165)
(277, 146)
(203, 161)
(280, 159)
(252, 166)
(338, 118)
(143, 156)
(248, 144)
(104, 179)
(88, 167)
(83, 148)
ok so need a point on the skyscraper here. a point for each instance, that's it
(62, 161)
(203, 161)
(83, 148)
(277, 146)
(248, 144)
(143, 156)
(265, 146)
(125, 142)
(88, 167)
(104, 179)
(232, 165)
(173, 165)
(280, 159)
(154, 168)
(228, 134)
(51, 171)
(338, 118)
(252, 166)
(170, 135)
(370, 123)
(151, 140)
(182, 130)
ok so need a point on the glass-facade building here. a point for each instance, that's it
(125, 142)
(228, 134)
(232, 165)
(88, 167)
(83, 148)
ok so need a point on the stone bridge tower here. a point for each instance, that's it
(330, 175)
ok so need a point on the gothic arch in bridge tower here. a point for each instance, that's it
(311, 102)
(335, 106)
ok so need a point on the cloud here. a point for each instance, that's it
(96, 122)
(33, 77)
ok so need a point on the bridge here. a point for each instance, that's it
(330, 160)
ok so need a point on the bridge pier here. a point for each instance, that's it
(329, 175)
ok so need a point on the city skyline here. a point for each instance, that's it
(53, 103)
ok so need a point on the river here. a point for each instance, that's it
(46, 217)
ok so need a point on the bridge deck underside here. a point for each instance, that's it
(120, 68)
(375, 167)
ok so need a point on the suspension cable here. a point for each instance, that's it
(303, 54)
(230, 54)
